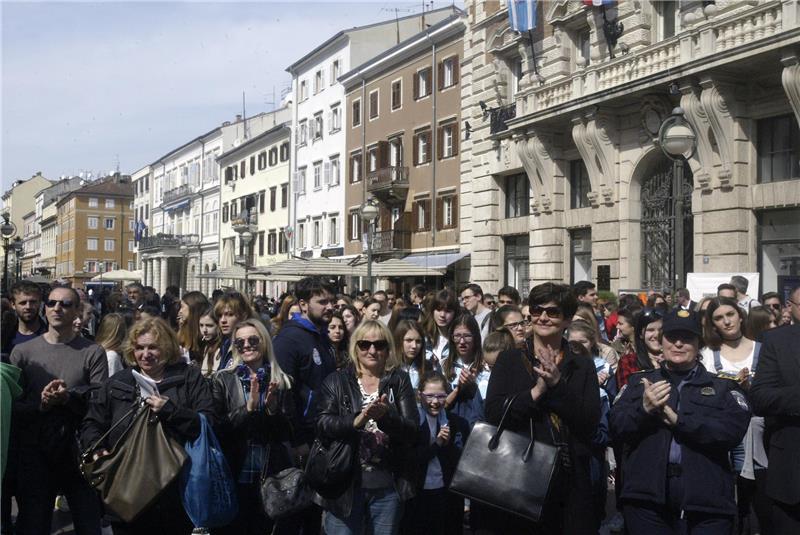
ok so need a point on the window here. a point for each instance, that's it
(517, 263)
(448, 73)
(261, 201)
(319, 81)
(373, 105)
(109, 203)
(225, 213)
(422, 214)
(108, 223)
(92, 202)
(355, 168)
(284, 195)
(131, 225)
(665, 13)
(283, 244)
(131, 265)
(300, 184)
(422, 83)
(318, 126)
(91, 266)
(778, 149)
(301, 236)
(131, 246)
(273, 198)
(446, 215)
(92, 222)
(333, 231)
(581, 252)
(448, 141)
(335, 119)
(334, 171)
(272, 242)
(303, 90)
(372, 159)
(91, 244)
(397, 94)
(317, 233)
(108, 245)
(518, 195)
(317, 175)
(396, 152)
(356, 113)
(578, 184)
(422, 147)
(336, 70)
(284, 152)
(583, 47)
(516, 78)
(273, 156)
(302, 133)
(354, 226)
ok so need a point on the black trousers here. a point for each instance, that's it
(647, 518)
(434, 511)
(785, 519)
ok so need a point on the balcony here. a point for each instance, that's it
(387, 241)
(389, 184)
(245, 220)
(178, 193)
(499, 116)
(161, 241)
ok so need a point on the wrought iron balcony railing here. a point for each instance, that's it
(386, 241)
(178, 193)
(499, 116)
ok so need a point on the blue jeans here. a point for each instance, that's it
(375, 512)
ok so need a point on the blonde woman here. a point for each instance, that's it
(111, 335)
(381, 423)
(252, 419)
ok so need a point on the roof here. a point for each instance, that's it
(195, 140)
(111, 187)
(325, 44)
(260, 137)
(441, 30)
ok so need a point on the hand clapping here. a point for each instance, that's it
(55, 393)
(655, 398)
(547, 369)
(372, 411)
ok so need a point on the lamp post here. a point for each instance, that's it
(368, 212)
(189, 241)
(7, 231)
(678, 142)
(246, 238)
(19, 252)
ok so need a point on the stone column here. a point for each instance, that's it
(144, 272)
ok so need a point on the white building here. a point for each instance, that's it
(318, 144)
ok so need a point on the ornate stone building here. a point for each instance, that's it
(564, 164)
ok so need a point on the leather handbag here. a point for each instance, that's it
(285, 493)
(507, 470)
(142, 463)
(330, 467)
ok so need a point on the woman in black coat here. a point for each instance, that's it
(559, 390)
(183, 395)
(372, 405)
(252, 419)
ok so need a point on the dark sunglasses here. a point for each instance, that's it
(251, 341)
(552, 312)
(776, 306)
(65, 303)
(380, 345)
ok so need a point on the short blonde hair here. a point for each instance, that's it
(265, 348)
(369, 327)
(164, 335)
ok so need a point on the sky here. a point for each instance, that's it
(92, 87)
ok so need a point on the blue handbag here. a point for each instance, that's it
(208, 490)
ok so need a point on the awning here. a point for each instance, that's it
(235, 273)
(357, 267)
(181, 205)
(435, 260)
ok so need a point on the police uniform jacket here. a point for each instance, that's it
(713, 416)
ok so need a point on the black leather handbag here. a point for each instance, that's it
(505, 469)
(285, 493)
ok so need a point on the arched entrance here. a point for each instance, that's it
(658, 237)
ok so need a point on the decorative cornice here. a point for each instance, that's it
(591, 135)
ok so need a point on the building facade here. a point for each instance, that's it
(95, 230)
(403, 131)
(320, 137)
(31, 238)
(563, 177)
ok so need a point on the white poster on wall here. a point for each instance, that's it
(705, 284)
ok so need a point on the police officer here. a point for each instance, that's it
(677, 425)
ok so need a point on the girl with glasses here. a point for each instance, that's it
(465, 371)
(440, 440)
(371, 405)
(408, 341)
(249, 404)
(509, 318)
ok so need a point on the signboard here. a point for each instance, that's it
(705, 284)
(306, 254)
(786, 283)
(336, 251)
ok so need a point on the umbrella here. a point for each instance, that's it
(119, 275)
(38, 279)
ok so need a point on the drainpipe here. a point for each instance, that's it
(363, 139)
(292, 173)
(434, 137)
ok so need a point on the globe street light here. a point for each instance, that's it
(368, 212)
(246, 238)
(678, 142)
(7, 231)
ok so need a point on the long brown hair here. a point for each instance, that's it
(463, 320)
(112, 332)
(283, 316)
(443, 300)
(403, 326)
(189, 333)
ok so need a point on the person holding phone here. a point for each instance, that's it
(372, 404)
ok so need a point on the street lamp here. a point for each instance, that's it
(678, 142)
(7, 231)
(368, 212)
(246, 238)
(189, 241)
(19, 252)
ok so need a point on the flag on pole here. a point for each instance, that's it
(522, 15)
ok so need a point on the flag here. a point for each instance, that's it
(597, 3)
(522, 15)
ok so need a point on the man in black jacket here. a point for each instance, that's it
(306, 355)
(559, 390)
(775, 394)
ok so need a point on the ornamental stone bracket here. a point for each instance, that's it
(592, 135)
(718, 103)
(791, 79)
(538, 152)
(696, 116)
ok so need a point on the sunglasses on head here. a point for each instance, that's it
(380, 345)
(65, 303)
(251, 341)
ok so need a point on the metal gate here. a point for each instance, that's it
(658, 228)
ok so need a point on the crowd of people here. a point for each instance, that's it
(687, 414)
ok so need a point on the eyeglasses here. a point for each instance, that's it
(515, 325)
(464, 337)
(552, 312)
(438, 397)
(251, 341)
(489, 303)
(65, 303)
(380, 345)
(792, 302)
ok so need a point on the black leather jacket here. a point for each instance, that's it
(236, 425)
(339, 402)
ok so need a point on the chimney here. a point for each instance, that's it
(238, 118)
(226, 123)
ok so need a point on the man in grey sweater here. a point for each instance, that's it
(59, 370)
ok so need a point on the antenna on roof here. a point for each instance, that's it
(244, 116)
(397, 17)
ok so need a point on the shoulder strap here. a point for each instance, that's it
(485, 320)
(756, 351)
(717, 361)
